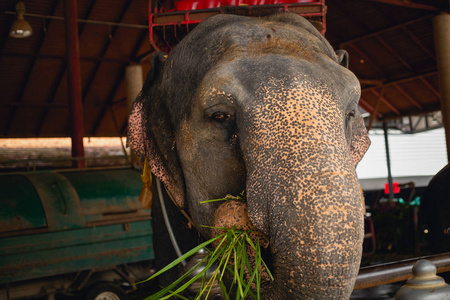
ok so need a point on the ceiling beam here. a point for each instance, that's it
(109, 101)
(393, 52)
(375, 112)
(24, 84)
(432, 88)
(90, 79)
(419, 76)
(366, 58)
(116, 85)
(63, 57)
(383, 31)
(409, 4)
(408, 96)
(412, 112)
(5, 34)
(86, 21)
(59, 77)
(367, 107)
(34, 105)
(385, 101)
(419, 43)
(363, 103)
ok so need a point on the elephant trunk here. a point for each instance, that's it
(315, 233)
(313, 219)
(303, 195)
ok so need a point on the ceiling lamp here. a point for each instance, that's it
(20, 28)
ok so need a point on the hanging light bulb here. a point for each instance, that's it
(20, 28)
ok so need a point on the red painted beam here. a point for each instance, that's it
(74, 82)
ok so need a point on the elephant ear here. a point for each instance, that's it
(342, 57)
(151, 133)
(360, 138)
(360, 141)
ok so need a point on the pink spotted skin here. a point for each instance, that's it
(262, 105)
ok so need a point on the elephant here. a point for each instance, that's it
(435, 213)
(267, 106)
(435, 210)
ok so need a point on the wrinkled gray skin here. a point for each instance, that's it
(263, 104)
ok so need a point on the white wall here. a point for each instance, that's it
(411, 154)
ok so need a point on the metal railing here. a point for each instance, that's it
(397, 271)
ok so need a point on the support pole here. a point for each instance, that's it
(388, 160)
(134, 81)
(441, 28)
(74, 82)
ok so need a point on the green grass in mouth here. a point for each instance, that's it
(230, 255)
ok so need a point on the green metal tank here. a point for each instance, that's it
(68, 221)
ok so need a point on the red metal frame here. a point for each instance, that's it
(163, 20)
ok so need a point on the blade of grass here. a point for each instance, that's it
(180, 259)
(172, 294)
(242, 267)
(223, 288)
(159, 295)
(258, 267)
(231, 246)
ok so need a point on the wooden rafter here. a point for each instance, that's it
(363, 103)
(90, 80)
(432, 88)
(386, 101)
(409, 4)
(408, 96)
(26, 80)
(375, 111)
(63, 57)
(383, 31)
(59, 78)
(419, 76)
(418, 42)
(343, 6)
(393, 52)
(116, 85)
(369, 60)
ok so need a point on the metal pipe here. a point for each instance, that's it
(441, 30)
(172, 237)
(137, 26)
(60, 57)
(397, 271)
(388, 161)
(74, 81)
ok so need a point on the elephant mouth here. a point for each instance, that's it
(234, 214)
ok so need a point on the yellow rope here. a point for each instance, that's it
(146, 195)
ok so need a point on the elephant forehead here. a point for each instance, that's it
(293, 106)
(295, 124)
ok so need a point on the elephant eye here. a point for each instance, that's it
(220, 117)
(350, 114)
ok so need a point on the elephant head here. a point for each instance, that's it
(265, 105)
